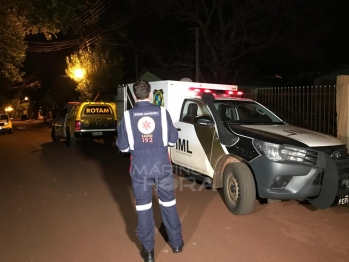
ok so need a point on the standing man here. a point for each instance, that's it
(146, 131)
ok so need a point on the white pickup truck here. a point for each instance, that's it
(239, 145)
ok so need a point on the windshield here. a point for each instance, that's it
(3, 117)
(245, 112)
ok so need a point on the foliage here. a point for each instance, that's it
(20, 18)
(102, 69)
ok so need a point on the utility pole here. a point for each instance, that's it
(197, 76)
(136, 66)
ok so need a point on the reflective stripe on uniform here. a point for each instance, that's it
(144, 207)
(164, 125)
(129, 129)
(125, 150)
(168, 203)
(171, 144)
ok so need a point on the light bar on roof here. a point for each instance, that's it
(217, 92)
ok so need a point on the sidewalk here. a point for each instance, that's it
(48, 122)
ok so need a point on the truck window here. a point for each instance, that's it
(73, 111)
(63, 113)
(3, 117)
(245, 112)
(192, 109)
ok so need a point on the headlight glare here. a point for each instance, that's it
(278, 152)
(270, 150)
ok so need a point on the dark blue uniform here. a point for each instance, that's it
(146, 131)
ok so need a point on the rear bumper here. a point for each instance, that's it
(95, 134)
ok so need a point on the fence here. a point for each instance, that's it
(311, 107)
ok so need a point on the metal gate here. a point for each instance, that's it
(311, 107)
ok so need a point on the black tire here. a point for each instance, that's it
(108, 140)
(70, 141)
(10, 131)
(239, 189)
(53, 135)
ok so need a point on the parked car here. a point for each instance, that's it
(5, 124)
(85, 121)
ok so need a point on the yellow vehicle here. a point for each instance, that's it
(86, 121)
(5, 124)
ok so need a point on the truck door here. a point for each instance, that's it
(193, 148)
(59, 123)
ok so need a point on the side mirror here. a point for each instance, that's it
(203, 121)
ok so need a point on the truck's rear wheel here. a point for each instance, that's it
(70, 141)
(53, 135)
(239, 189)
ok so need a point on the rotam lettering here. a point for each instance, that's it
(97, 110)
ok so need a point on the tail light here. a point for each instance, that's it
(77, 125)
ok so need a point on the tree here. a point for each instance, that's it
(233, 33)
(95, 68)
(229, 31)
(20, 18)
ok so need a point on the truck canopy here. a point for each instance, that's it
(171, 94)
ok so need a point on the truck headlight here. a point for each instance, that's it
(278, 152)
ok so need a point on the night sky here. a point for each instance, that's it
(329, 53)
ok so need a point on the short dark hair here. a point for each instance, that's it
(141, 89)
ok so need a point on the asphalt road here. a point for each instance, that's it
(72, 205)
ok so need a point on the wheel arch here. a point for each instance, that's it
(220, 166)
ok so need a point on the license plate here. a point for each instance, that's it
(97, 133)
(343, 200)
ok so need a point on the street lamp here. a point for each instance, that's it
(8, 109)
(79, 73)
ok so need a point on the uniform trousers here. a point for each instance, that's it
(143, 193)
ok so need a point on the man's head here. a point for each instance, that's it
(141, 89)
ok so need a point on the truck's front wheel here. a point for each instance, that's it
(239, 189)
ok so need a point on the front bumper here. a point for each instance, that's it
(4, 129)
(305, 181)
(343, 177)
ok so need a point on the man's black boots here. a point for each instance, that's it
(178, 249)
(148, 256)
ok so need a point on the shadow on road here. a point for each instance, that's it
(113, 166)
(115, 170)
(191, 201)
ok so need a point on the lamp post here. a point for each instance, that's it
(27, 110)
